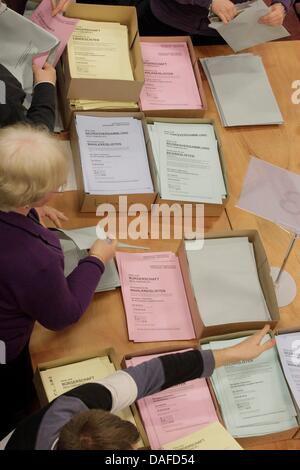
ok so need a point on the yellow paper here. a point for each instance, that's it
(100, 51)
(212, 437)
(86, 105)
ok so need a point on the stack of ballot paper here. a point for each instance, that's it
(187, 162)
(154, 297)
(73, 254)
(253, 395)
(241, 90)
(225, 281)
(288, 346)
(113, 155)
(175, 412)
(99, 50)
(169, 77)
(88, 105)
(212, 437)
(59, 380)
(244, 30)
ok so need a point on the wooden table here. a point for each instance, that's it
(104, 323)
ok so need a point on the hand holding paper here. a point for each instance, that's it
(104, 251)
(224, 9)
(275, 17)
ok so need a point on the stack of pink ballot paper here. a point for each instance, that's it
(175, 412)
(154, 297)
(169, 77)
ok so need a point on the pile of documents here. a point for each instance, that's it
(154, 297)
(253, 395)
(113, 155)
(225, 281)
(169, 77)
(212, 437)
(187, 162)
(241, 90)
(244, 30)
(71, 241)
(89, 105)
(59, 380)
(99, 50)
(175, 412)
(288, 346)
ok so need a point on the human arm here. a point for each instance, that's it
(42, 109)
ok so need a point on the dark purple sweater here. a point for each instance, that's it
(32, 282)
(191, 15)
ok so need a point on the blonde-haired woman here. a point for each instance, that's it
(32, 282)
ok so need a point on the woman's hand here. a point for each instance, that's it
(224, 9)
(60, 7)
(52, 214)
(45, 74)
(275, 17)
(104, 250)
(247, 350)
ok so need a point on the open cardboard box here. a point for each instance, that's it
(177, 113)
(255, 440)
(283, 332)
(38, 382)
(164, 350)
(90, 202)
(105, 89)
(210, 210)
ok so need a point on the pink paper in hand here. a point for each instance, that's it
(60, 26)
(272, 193)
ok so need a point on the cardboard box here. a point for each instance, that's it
(164, 350)
(104, 89)
(255, 440)
(177, 113)
(90, 202)
(284, 332)
(265, 279)
(71, 360)
(210, 210)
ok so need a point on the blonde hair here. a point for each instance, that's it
(32, 164)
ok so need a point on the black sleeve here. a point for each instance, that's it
(42, 109)
(93, 395)
(181, 367)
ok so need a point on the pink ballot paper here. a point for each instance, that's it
(177, 411)
(154, 297)
(58, 25)
(272, 193)
(169, 77)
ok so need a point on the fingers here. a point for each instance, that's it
(61, 215)
(268, 345)
(223, 18)
(261, 334)
(61, 6)
(114, 244)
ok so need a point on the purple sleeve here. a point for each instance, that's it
(57, 302)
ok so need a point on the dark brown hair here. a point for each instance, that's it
(97, 430)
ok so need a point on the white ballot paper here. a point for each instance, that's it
(241, 90)
(225, 281)
(113, 155)
(288, 346)
(20, 41)
(253, 395)
(244, 31)
(187, 162)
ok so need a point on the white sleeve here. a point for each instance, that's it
(123, 389)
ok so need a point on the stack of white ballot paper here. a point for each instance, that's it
(241, 90)
(187, 162)
(225, 281)
(99, 50)
(59, 380)
(73, 254)
(253, 395)
(113, 155)
(288, 346)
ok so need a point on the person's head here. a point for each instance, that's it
(97, 430)
(32, 167)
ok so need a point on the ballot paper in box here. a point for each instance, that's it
(241, 90)
(244, 30)
(231, 282)
(52, 379)
(189, 162)
(113, 157)
(173, 85)
(74, 244)
(176, 412)
(253, 396)
(103, 57)
(225, 289)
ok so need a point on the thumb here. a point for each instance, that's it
(114, 244)
(47, 66)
